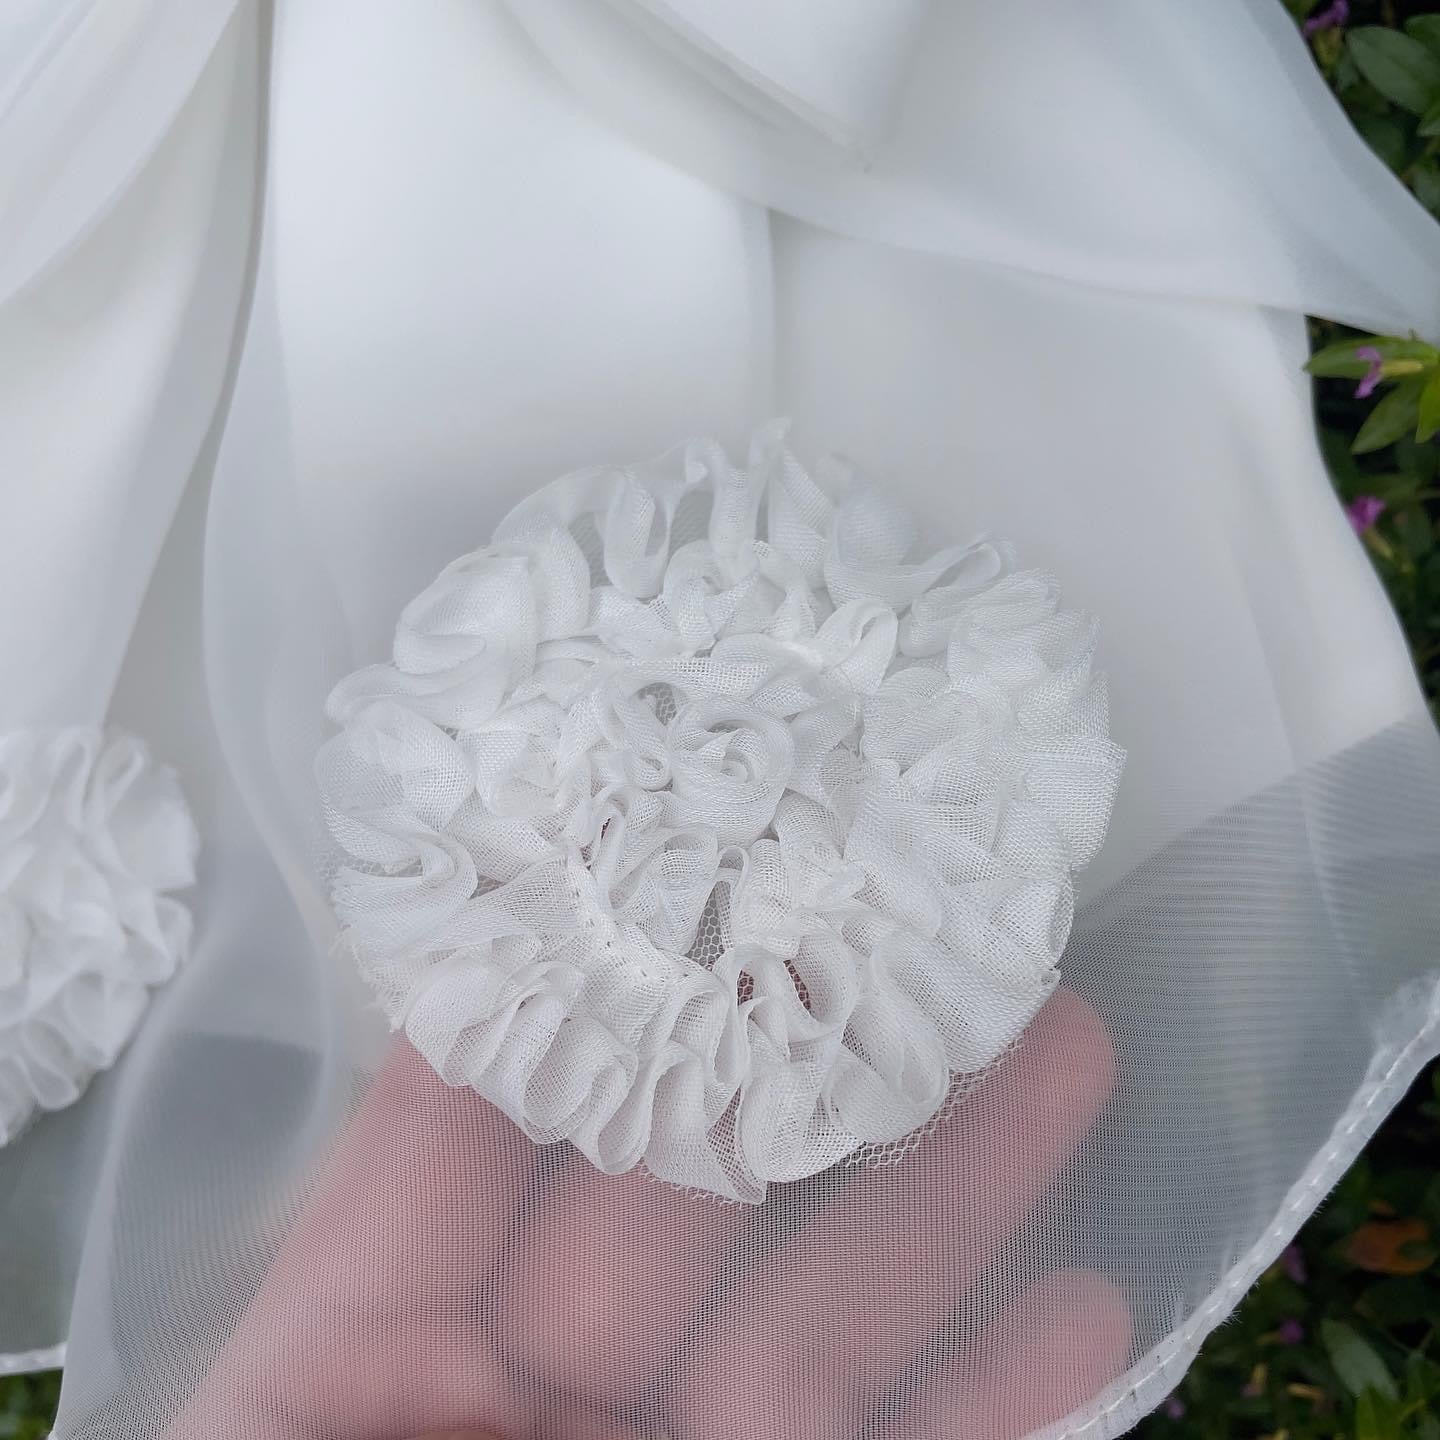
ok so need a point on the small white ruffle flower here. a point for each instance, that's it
(93, 837)
(705, 820)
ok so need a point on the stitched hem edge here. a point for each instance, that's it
(1148, 1382)
(23, 1362)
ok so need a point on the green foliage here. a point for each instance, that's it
(1412, 366)
(1385, 67)
(1398, 65)
(1360, 1369)
(1399, 357)
(27, 1403)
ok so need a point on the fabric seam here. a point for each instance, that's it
(1169, 1361)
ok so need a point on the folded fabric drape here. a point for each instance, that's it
(835, 67)
(1091, 143)
(1027, 263)
(93, 90)
(126, 200)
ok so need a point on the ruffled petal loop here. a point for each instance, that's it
(94, 838)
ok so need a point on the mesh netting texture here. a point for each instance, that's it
(721, 850)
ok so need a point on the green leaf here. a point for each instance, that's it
(1395, 487)
(1396, 415)
(1376, 1418)
(1422, 461)
(1428, 422)
(1422, 1378)
(1397, 65)
(1430, 121)
(1417, 535)
(1426, 183)
(1385, 138)
(1357, 1364)
(1339, 361)
(1335, 446)
(1425, 29)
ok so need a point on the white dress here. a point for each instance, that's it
(295, 307)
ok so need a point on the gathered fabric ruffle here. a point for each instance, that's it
(705, 818)
(94, 839)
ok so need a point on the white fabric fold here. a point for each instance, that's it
(837, 67)
(1089, 142)
(128, 316)
(86, 98)
(127, 172)
(1158, 453)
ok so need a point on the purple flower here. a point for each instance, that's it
(1293, 1258)
(1364, 511)
(1331, 16)
(1291, 1332)
(1175, 1408)
(1374, 375)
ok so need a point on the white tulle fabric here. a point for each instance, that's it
(94, 837)
(705, 818)
(1048, 281)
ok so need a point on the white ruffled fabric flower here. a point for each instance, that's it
(703, 820)
(93, 837)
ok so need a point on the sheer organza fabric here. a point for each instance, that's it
(1030, 268)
